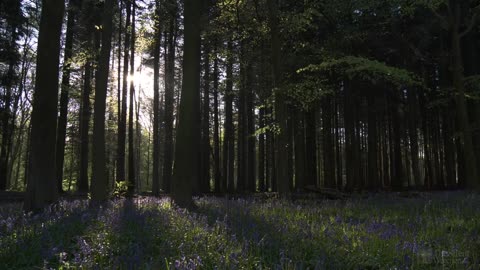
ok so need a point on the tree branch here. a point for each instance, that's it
(472, 23)
(443, 21)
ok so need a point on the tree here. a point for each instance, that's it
(87, 36)
(204, 183)
(99, 170)
(41, 185)
(156, 99)
(169, 96)
(229, 138)
(64, 94)
(122, 121)
(131, 134)
(11, 12)
(186, 169)
(281, 141)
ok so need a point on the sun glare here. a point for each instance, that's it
(131, 78)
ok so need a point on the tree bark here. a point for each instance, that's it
(41, 184)
(99, 170)
(64, 93)
(328, 144)
(205, 156)
(82, 184)
(216, 136)
(122, 123)
(281, 149)
(311, 147)
(229, 140)
(186, 169)
(169, 104)
(131, 134)
(471, 173)
(156, 99)
(299, 137)
(372, 175)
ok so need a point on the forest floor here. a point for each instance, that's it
(385, 231)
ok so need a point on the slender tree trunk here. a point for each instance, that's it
(169, 104)
(41, 184)
(138, 143)
(131, 134)
(311, 147)
(299, 137)
(399, 175)
(349, 138)
(372, 176)
(205, 157)
(250, 128)
(99, 170)
(216, 136)
(242, 125)
(449, 146)
(156, 99)
(262, 185)
(328, 145)
(186, 169)
(471, 173)
(281, 148)
(119, 82)
(82, 184)
(229, 143)
(412, 132)
(62, 119)
(122, 127)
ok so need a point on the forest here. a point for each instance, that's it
(239, 134)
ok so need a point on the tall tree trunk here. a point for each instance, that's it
(229, 143)
(169, 104)
(250, 129)
(216, 136)
(372, 175)
(205, 157)
(156, 105)
(281, 149)
(82, 184)
(299, 137)
(122, 123)
(62, 119)
(412, 132)
(349, 138)
(119, 86)
(262, 185)
(311, 146)
(328, 144)
(242, 125)
(138, 143)
(186, 169)
(471, 173)
(449, 146)
(41, 184)
(99, 170)
(131, 134)
(399, 174)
